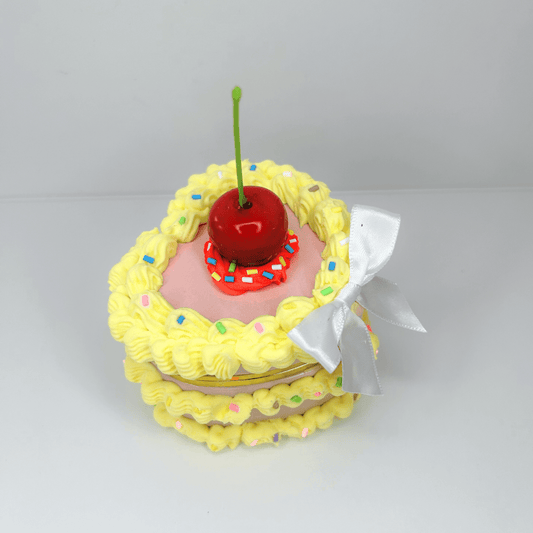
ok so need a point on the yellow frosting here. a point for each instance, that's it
(197, 348)
(171, 403)
(147, 324)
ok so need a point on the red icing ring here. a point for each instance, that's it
(238, 286)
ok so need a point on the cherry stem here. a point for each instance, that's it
(236, 94)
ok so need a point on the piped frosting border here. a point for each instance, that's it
(171, 403)
(148, 325)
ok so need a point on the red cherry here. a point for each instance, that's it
(251, 235)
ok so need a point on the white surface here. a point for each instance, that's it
(447, 449)
(99, 94)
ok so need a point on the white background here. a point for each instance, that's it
(129, 97)
(107, 107)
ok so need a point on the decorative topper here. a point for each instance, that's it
(332, 332)
(249, 235)
(248, 224)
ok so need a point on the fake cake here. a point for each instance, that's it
(217, 365)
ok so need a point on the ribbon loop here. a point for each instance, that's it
(384, 299)
(332, 333)
(373, 234)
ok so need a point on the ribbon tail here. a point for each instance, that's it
(359, 372)
(384, 299)
(316, 335)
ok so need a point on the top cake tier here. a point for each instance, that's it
(183, 341)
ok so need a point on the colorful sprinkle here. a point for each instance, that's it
(220, 327)
(339, 382)
(318, 394)
(293, 240)
(251, 271)
(181, 318)
(208, 246)
(253, 167)
(229, 279)
(234, 378)
(289, 248)
(377, 352)
(259, 327)
(179, 425)
(196, 196)
(234, 407)
(276, 267)
(282, 260)
(232, 267)
(182, 220)
(305, 432)
(145, 300)
(276, 437)
(211, 261)
(254, 442)
(287, 174)
(326, 291)
(124, 361)
(369, 328)
(291, 232)
(215, 276)
(247, 280)
(344, 241)
(296, 399)
(331, 265)
(220, 174)
(148, 259)
(359, 311)
(314, 188)
(268, 275)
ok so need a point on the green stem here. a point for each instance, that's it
(236, 94)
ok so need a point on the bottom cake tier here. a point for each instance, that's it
(265, 416)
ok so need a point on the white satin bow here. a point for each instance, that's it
(332, 332)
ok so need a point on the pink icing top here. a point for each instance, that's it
(187, 282)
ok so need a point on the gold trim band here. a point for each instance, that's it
(249, 379)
